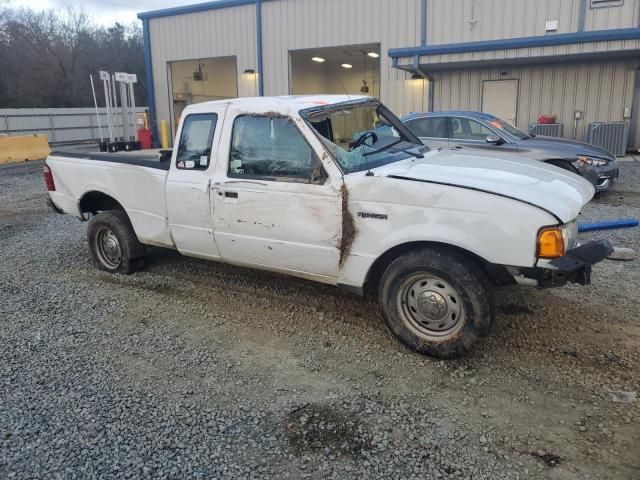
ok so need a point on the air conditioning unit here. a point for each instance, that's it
(546, 129)
(612, 136)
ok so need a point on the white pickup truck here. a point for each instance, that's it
(305, 186)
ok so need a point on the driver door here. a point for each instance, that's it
(274, 205)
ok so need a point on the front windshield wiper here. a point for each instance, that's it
(382, 149)
(413, 151)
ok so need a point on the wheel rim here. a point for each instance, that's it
(430, 307)
(108, 248)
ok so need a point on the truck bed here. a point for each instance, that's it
(135, 181)
(149, 160)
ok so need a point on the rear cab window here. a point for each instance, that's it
(270, 147)
(196, 140)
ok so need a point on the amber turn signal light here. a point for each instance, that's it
(550, 243)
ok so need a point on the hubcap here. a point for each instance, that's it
(108, 248)
(430, 306)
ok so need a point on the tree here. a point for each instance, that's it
(48, 56)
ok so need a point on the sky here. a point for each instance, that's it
(104, 11)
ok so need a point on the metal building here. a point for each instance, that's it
(576, 59)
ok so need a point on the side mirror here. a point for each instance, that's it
(495, 139)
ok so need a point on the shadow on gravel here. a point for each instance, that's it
(321, 427)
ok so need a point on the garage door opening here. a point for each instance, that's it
(201, 80)
(353, 70)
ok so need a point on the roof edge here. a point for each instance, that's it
(521, 42)
(198, 7)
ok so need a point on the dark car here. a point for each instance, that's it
(481, 131)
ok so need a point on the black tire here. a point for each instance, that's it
(436, 301)
(113, 243)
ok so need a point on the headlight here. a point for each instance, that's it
(596, 162)
(570, 234)
(550, 242)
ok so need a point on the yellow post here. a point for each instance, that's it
(164, 133)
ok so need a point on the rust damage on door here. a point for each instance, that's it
(349, 230)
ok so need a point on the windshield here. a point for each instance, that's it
(363, 135)
(503, 126)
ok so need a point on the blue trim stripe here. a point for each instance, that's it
(148, 67)
(582, 12)
(199, 7)
(523, 42)
(259, 47)
(424, 9)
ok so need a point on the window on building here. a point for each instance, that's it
(272, 147)
(434, 127)
(467, 129)
(196, 140)
(606, 3)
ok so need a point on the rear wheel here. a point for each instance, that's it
(113, 243)
(436, 301)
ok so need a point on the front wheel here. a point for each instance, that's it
(113, 243)
(436, 301)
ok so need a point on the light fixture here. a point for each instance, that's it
(318, 59)
(249, 71)
(417, 76)
(347, 66)
(374, 54)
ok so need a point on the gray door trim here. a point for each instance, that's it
(634, 125)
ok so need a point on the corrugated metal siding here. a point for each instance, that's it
(214, 33)
(451, 21)
(60, 125)
(301, 24)
(601, 90)
(550, 51)
(624, 16)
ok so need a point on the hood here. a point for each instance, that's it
(559, 192)
(565, 148)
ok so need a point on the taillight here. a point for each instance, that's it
(48, 178)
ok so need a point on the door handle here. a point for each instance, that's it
(231, 194)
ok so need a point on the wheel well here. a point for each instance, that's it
(94, 202)
(498, 274)
(564, 164)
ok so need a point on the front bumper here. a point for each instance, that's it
(607, 176)
(603, 178)
(573, 267)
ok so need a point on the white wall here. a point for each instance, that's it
(311, 78)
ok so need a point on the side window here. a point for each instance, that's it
(467, 129)
(434, 127)
(271, 147)
(196, 139)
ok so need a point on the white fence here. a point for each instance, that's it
(62, 125)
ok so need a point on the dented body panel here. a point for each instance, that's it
(334, 227)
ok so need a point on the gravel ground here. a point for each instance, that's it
(196, 370)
